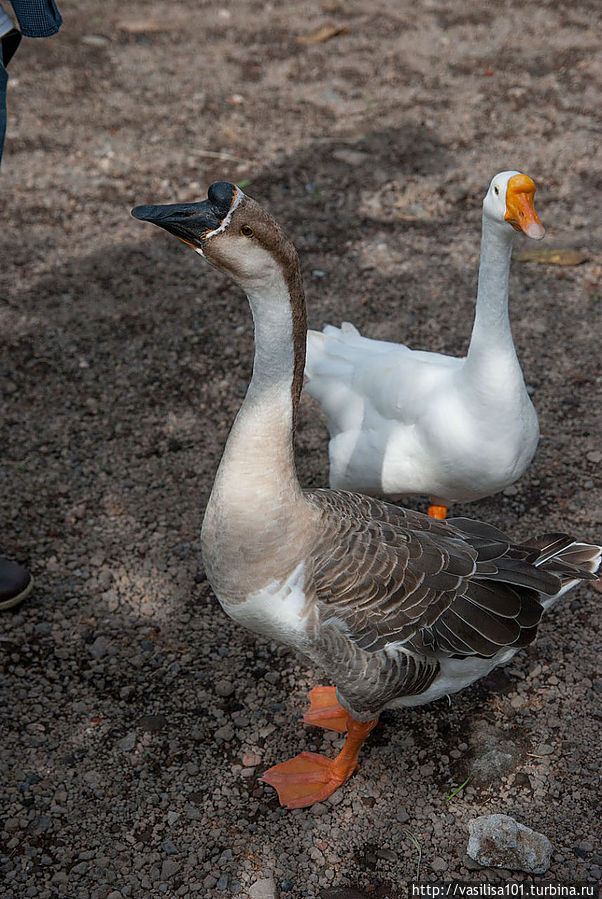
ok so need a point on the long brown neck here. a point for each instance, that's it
(257, 478)
(256, 515)
(299, 328)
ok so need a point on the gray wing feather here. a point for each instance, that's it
(457, 587)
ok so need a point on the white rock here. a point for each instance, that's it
(498, 841)
(265, 888)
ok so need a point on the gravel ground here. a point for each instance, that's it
(136, 717)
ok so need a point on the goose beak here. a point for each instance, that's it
(520, 211)
(194, 222)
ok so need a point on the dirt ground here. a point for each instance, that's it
(136, 716)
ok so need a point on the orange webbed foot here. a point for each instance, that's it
(438, 512)
(309, 777)
(325, 711)
(303, 780)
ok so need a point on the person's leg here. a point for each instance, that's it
(9, 42)
(10, 38)
(3, 83)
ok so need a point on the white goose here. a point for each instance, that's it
(397, 608)
(405, 422)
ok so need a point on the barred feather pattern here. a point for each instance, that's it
(368, 681)
(398, 591)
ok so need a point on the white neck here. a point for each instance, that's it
(491, 340)
(274, 361)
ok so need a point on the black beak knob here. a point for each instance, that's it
(221, 194)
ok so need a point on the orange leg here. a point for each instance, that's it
(438, 512)
(310, 777)
(325, 711)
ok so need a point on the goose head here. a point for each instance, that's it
(509, 201)
(232, 232)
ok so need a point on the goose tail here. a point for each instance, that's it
(329, 373)
(324, 350)
(570, 561)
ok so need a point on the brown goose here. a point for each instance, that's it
(396, 607)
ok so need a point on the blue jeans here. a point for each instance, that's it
(3, 83)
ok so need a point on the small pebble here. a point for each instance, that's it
(224, 733)
(224, 688)
(169, 867)
(99, 648)
(318, 808)
(250, 759)
(152, 724)
(127, 743)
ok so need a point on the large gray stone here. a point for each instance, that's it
(264, 888)
(498, 841)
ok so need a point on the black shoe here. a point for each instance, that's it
(15, 583)
(8, 44)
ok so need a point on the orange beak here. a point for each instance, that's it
(520, 211)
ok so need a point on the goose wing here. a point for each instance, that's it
(391, 575)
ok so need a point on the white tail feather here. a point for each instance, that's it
(586, 556)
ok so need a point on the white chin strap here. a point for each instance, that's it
(238, 198)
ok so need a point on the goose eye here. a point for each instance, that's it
(496, 191)
(246, 230)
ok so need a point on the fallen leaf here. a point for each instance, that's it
(142, 26)
(95, 40)
(550, 256)
(323, 33)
